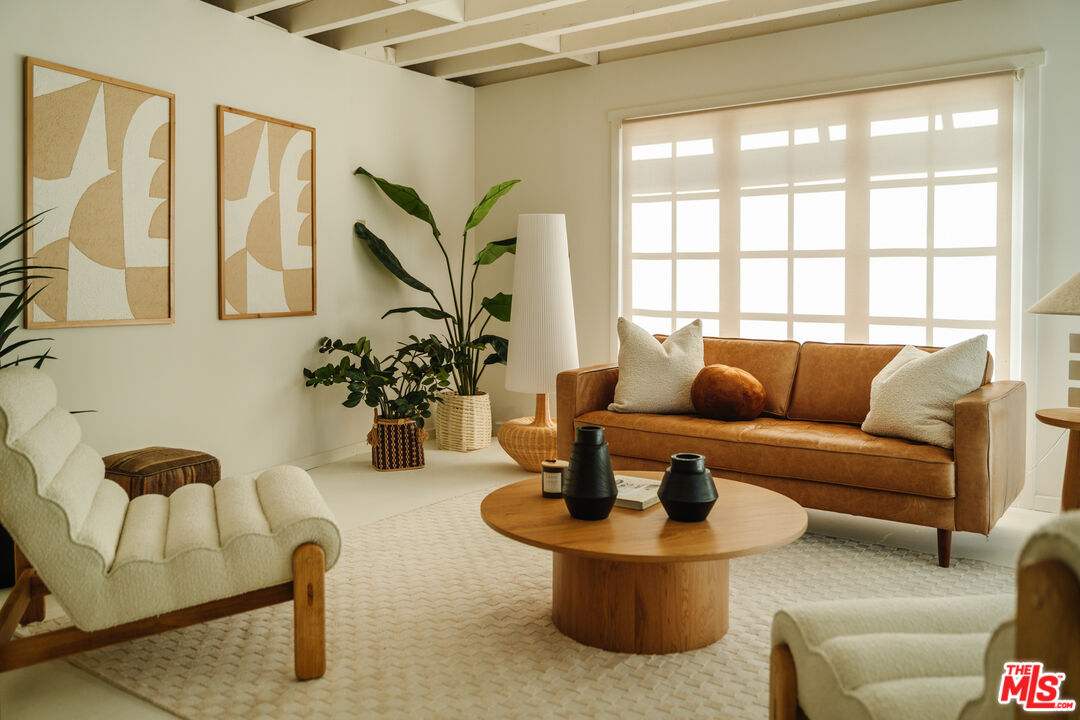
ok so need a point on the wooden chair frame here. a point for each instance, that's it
(1047, 629)
(26, 604)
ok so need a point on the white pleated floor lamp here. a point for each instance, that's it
(543, 337)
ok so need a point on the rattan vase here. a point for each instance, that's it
(463, 422)
(396, 444)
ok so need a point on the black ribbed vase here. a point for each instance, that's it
(589, 484)
(687, 491)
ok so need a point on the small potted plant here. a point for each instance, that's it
(402, 388)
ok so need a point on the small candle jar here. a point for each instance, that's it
(551, 474)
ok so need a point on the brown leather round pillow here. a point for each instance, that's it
(722, 392)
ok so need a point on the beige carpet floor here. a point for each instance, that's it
(433, 615)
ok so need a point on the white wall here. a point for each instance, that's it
(553, 132)
(235, 388)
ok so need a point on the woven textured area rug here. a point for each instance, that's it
(430, 614)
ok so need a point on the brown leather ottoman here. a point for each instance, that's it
(161, 469)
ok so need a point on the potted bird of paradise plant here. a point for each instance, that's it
(463, 418)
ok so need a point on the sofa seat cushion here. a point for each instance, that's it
(890, 659)
(823, 452)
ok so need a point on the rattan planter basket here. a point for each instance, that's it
(463, 422)
(396, 444)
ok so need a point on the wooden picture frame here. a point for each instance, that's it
(266, 216)
(99, 156)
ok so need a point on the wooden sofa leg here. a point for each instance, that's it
(944, 547)
(35, 611)
(783, 695)
(309, 611)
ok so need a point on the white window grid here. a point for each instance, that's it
(855, 319)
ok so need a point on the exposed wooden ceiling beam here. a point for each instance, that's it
(447, 9)
(479, 42)
(704, 19)
(587, 59)
(386, 31)
(521, 71)
(593, 14)
(659, 27)
(250, 8)
(490, 10)
(313, 16)
(547, 43)
(476, 12)
(496, 58)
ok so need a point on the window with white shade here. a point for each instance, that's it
(880, 216)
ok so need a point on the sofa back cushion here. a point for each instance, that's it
(772, 362)
(833, 380)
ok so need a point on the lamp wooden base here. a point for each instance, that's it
(529, 441)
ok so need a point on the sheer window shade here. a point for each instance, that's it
(876, 216)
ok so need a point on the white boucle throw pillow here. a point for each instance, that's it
(912, 397)
(655, 377)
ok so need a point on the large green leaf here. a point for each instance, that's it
(13, 346)
(41, 359)
(500, 346)
(389, 260)
(428, 312)
(20, 229)
(495, 250)
(405, 198)
(481, 210)
(22, 300)
(498, 306)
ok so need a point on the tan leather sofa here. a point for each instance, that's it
(807, 444)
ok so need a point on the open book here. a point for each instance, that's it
(636, 493)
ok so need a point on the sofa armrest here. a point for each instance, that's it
(990, 451)
(581, 391)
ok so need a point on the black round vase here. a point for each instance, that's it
(687, 491)
(588, 483)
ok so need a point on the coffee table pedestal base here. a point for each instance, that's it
(640, 607)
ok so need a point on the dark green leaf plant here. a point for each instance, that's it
(472, 349)
(404, 384)
(16, 296)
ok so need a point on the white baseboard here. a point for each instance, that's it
(1047, 503)
(329, 456)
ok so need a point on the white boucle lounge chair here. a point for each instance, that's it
(124, 569)
(933, 658)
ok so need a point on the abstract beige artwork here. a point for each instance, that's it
(266, 215)
(99, 159)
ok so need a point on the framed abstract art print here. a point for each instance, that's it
(266, 216)
(99, 166)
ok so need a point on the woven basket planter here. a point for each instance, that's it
(396, 444)
(463, 422)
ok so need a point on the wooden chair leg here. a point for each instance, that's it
(1048, 622)
(15, 605)
(309, 611)
(35, 611)
(783, 695)
(944, 547)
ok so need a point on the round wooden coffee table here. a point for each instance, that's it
(638, 582)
